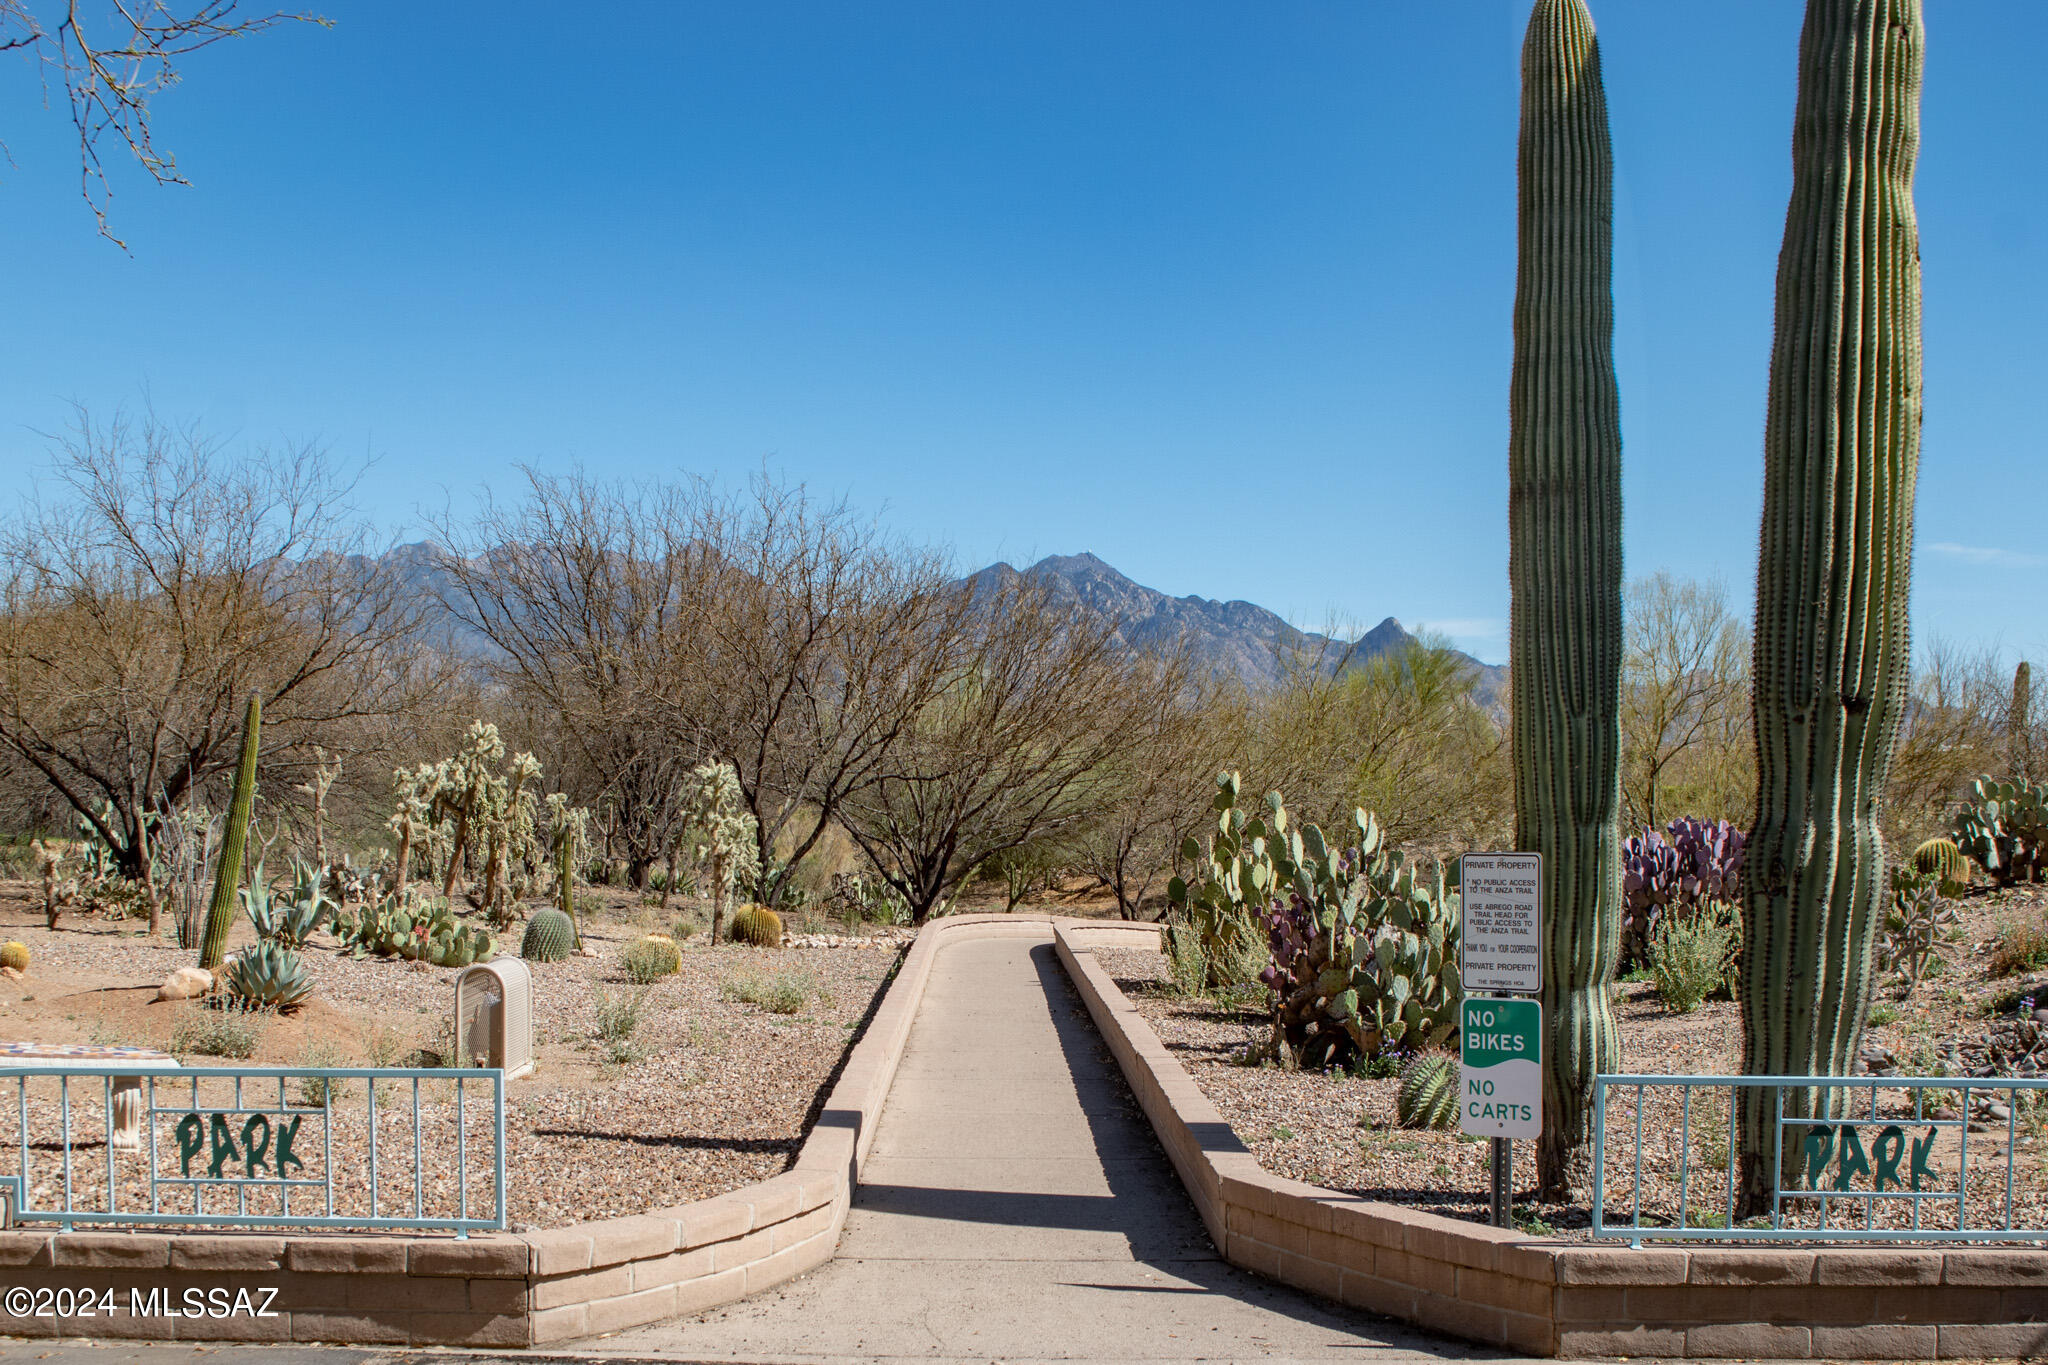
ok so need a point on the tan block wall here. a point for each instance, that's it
(1564, 1298)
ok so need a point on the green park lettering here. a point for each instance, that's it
(1825, 1145)
(262, 1145)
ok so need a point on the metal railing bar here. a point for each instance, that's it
(1684, 1150)
(418, 1167)
(113, 1186)
(461, 1155)
(372, 1084)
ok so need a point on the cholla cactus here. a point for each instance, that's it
(57, 894)
(507, 820)
(322, 781)
(466, 790)
(416, 789)
(723, 834)
(569, 834)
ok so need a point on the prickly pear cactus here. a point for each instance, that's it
(1363, 951)
(2004, 827)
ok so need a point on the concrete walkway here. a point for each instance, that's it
(1016, 1207)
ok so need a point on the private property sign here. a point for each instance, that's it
(1500, 1072)
(1502, 894)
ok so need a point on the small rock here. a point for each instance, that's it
(13, 973)
(1995, 1111)
(186, 983)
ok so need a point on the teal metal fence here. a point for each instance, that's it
(334, 1147)
(1858, 1158)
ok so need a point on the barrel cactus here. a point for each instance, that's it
(758, 925)
(1428, 1093)
(267, 975)
(14, 955)
(1564, 563)
(550, 935)
(1834, 561)
(1943, 859)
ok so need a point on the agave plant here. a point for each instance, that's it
(267, 975)
(289, 919)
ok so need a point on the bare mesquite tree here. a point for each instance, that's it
(111, 59)
(668, 625)
(1041, 704)
(825, 643)
(1684, 704)
(1157, 794)
(165, 582)
(591, 596)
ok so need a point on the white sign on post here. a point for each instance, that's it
(1502, 894)
(1500, 1070)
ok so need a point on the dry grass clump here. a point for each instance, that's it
(2021, 946)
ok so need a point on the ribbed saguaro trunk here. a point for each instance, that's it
(1564, 562)
(1841, 450)
(234, 838)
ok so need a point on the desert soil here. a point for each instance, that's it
(717, 1094)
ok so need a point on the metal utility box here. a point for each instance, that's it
(494, 1016)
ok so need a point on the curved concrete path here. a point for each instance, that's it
(1016, 1206)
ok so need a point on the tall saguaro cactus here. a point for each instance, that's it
(1564, 560)
(227, 873)
(1841, 452)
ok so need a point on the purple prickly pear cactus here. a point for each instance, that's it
(1700, 862)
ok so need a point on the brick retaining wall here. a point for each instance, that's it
(1549, 1297)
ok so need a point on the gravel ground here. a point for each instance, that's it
(710, 1092)
(1338, 1130)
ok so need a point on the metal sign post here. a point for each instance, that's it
(1501, 1042)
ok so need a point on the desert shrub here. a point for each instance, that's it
(650, 959)
(223, 1031)
(778, 993)
(618, 1016)
(682, 927)
(2021, 946)
(315, 1091)
(1691, 956)
(1186, 963)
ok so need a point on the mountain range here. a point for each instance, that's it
(1230, 640)
(1238, 640)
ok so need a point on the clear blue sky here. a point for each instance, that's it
(1217, 291)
